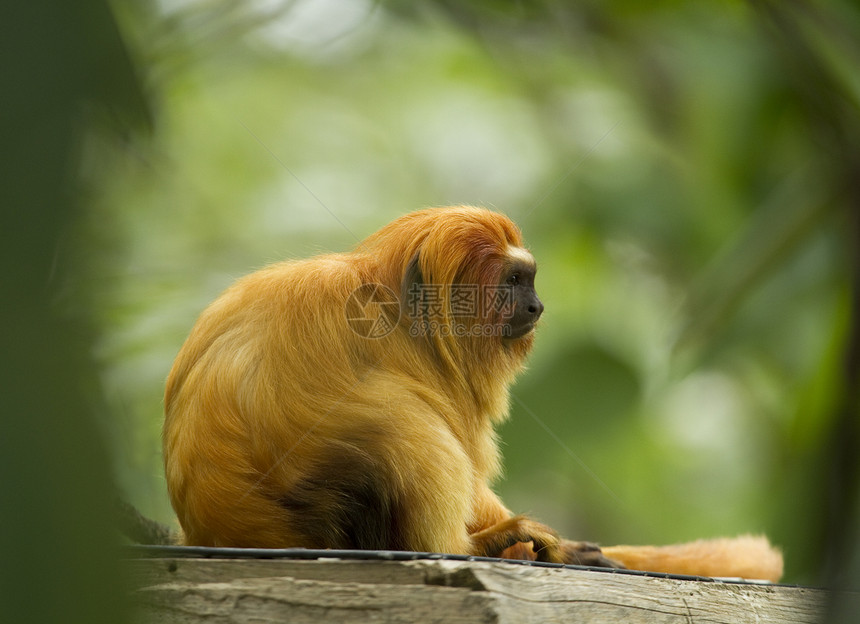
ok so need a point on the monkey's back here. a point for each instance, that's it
(282, 425)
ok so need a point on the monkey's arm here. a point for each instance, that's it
(749, 557)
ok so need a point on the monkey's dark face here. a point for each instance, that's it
(481, 296)
(519, 279)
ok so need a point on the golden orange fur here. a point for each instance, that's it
(749, 557)
(284, 427)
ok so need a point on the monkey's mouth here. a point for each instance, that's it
(512, 332)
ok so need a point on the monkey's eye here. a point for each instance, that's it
(514, 279)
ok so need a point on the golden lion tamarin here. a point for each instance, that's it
(349, 401)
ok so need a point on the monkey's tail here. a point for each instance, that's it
(749, 557)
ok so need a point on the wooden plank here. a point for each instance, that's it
(146, 572)
(285, 599)
(230, 590)
(599, 597)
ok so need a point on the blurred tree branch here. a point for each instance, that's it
(61, 61)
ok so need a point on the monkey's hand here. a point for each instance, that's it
(519, 531)
(586, 554)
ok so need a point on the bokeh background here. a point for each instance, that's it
(686, 174)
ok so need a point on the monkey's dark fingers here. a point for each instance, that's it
(586, 554)
(548, 550)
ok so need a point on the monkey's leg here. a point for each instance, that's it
(394, 486)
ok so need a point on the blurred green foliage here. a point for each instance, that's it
(681, 170)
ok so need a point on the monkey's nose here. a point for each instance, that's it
(536, 309)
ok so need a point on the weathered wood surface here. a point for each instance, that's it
(236, 590)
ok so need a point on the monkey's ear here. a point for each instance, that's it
(410, 288)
